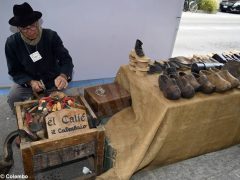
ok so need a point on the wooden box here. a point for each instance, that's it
(62, 157)
(107, 99)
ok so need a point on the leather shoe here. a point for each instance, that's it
(205, 85)
(154, 69)
(191, 79)
(170, 71)
(169, 87)
(187, 91)
(138, 48)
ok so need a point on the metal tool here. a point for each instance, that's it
(43, 85)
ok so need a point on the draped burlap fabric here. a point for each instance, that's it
(156, 131)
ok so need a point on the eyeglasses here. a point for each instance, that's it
(29, 27)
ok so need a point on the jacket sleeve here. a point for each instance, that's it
(15, 68)
(62, 54)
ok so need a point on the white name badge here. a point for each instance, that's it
(35, 56)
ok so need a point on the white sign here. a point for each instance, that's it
(65, 122)
(35, 56)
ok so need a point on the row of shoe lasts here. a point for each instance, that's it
(159, 66)
(138, 61)
(217, 57)
(225, 57)
(175, 85)
(184, 63)
(210, 58)
(194, 59)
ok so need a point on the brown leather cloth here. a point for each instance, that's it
(156, 131)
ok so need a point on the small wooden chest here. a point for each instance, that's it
(62, 157)
(107, 99)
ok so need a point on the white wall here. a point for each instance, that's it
(100, 33)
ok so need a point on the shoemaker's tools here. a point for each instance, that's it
(43, 85)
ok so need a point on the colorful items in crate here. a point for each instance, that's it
(138, 61)
(35, 114)
(57, 101)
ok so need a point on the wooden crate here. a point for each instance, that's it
(107, 99)
(44, 159)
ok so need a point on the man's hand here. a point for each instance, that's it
(61, 82)
(36, 85)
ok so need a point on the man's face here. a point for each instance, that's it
(31, 31)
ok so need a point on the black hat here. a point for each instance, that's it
(24, 15)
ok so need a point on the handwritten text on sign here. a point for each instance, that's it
(65, 122)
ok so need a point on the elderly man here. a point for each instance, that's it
(37, 59)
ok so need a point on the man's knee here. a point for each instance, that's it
(13, 97)
(18, 93)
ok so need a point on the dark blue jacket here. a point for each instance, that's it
(55, 59)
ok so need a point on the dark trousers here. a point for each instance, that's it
(18, 93)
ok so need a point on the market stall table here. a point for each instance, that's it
(156, 131)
